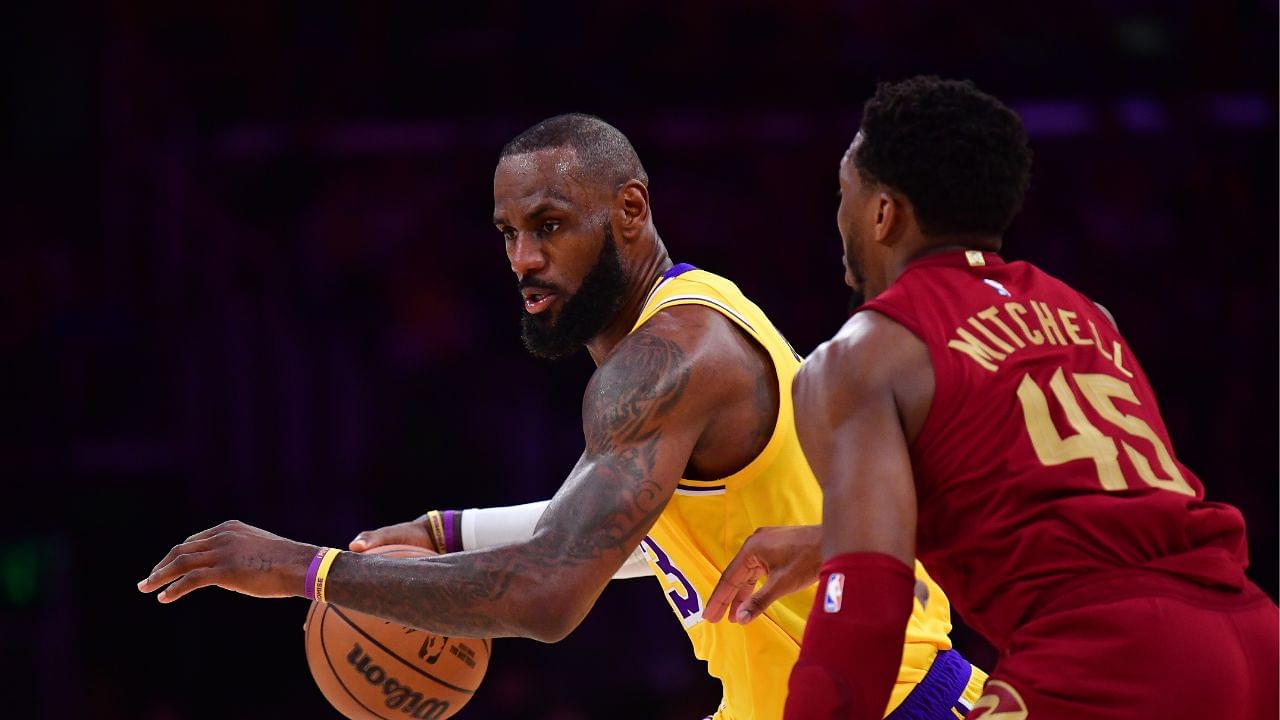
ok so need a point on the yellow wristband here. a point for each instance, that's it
(437, 529)
(322, 573)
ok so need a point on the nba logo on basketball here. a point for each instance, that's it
(835, 593)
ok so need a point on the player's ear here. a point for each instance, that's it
(888, 217)
(631, 210)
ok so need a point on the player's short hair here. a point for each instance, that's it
(960, 155)
(604, 153)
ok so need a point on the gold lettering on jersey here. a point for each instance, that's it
(1097, 340)
(1073, 330)
(975, 258)
(992, 315)
(1050, 326)
(989, 337)
(1004, 346)
(1015, 309)
(974, 348)
(1116, 350)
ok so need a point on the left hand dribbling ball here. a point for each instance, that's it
(372, 669)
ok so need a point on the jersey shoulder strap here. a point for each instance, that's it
(685, 284)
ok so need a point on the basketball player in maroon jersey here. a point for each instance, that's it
(992, 421)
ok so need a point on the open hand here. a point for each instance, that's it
(788, 558)
(234, 556)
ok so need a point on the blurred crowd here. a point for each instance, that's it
(248, 271)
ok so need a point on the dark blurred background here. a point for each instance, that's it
(247, 271)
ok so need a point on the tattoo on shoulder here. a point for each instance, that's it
(623, 418)
(638, 387)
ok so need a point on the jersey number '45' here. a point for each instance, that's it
(1089, 443)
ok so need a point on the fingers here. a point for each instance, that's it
(776, 586)
(369, 539)
(736, 584)
(182, 549)
(183, 564)
(756, 604)
(220, 527)
(399, 534)
(202, 535)
(193, 580)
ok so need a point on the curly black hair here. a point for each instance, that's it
(960, 155)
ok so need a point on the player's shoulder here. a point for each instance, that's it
(869, 340)
(699, 331)
(870, 351)
(688, 352)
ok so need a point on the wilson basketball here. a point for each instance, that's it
(371, 669)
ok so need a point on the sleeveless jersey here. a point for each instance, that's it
(706, 522)
(1043, 462)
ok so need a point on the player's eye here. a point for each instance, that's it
(550, 226)
(508, 233)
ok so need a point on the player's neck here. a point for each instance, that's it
(652, 268)
(928, 246)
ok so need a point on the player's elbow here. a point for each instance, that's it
(553, 631)
(550, 607)
(551, 617)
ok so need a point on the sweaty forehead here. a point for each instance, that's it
(527, 178)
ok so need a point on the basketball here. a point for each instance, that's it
(371, 669)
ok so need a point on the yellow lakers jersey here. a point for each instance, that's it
(707, 521)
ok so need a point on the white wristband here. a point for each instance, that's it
(487, 527)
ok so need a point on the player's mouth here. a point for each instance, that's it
(537, 299)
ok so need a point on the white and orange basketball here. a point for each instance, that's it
(372, 669)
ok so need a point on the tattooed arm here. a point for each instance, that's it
(644, 410)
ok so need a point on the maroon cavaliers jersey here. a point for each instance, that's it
(1043, 459)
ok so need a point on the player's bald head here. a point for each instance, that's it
(604, 156)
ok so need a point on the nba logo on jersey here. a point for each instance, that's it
(835, 593)
(997, 287)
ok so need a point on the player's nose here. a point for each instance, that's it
(526, 256)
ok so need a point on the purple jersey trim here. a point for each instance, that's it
(676, 270)
(938, 691)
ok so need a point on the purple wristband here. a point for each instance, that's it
(309, 591)
(452, 523)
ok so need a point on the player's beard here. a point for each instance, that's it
(585, 313)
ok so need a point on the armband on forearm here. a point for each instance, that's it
(487, 527)
(446, 529)
(852, 640)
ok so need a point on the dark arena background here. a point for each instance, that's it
(247, 270)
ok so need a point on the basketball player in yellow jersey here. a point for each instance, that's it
(690, 447)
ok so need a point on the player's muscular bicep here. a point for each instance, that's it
(851, 429)
(642, 413)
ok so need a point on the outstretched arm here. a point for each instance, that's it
(851, 399)
(481, 528)
(643, 412)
